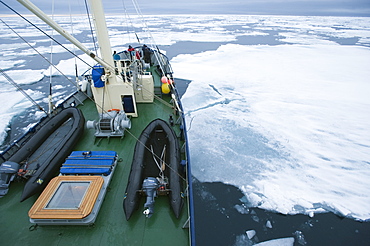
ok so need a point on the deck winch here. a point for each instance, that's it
(111, 124)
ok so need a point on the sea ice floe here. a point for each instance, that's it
(306, 109)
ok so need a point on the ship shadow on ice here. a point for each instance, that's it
(223, 218)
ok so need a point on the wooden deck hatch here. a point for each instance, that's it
(67, 197)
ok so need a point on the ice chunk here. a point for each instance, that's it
(268, 224)
(300, 237)
(243, 240)
(254, 216)
(289, 241)
(311, 214)
(251, 233)
(244, 199)
(243, 209)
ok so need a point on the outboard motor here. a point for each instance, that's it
(150, 186)
(8, 170)
(110, 124)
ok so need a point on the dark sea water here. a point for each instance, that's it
(218, 222)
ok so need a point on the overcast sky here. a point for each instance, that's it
(273, 7)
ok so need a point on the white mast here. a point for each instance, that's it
(110, 96)
(102, 34)
(31, 7)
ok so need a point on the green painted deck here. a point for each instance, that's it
(111, 227)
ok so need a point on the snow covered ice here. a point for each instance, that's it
(287, 124)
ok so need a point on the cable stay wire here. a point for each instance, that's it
(76, 84)
(91, 29)
(127, 17)
(73, 47)
(157, 55)
(51, 67)
(155, 155)
(150, 36)
(119, 77)
(46, 59)
(68, 79)
(21, 90)
(56, 41)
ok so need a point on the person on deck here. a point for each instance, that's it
(116, 57)
(131, 50)
(147, 52)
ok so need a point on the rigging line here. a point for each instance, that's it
(150, 36)
(156, 97)
(159, 58)
(91, 29)
(127, 16)
(161, 100)
(132, 25)
(24, 18)
(155, 160)
(38, 52)
(152, 93)
(147, 148)
(74, 48)
(102, 112)
(73, 83)
(137, 38)
(21, 90)
(54, 41)
(51, 61)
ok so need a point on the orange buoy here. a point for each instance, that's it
(164, 80)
